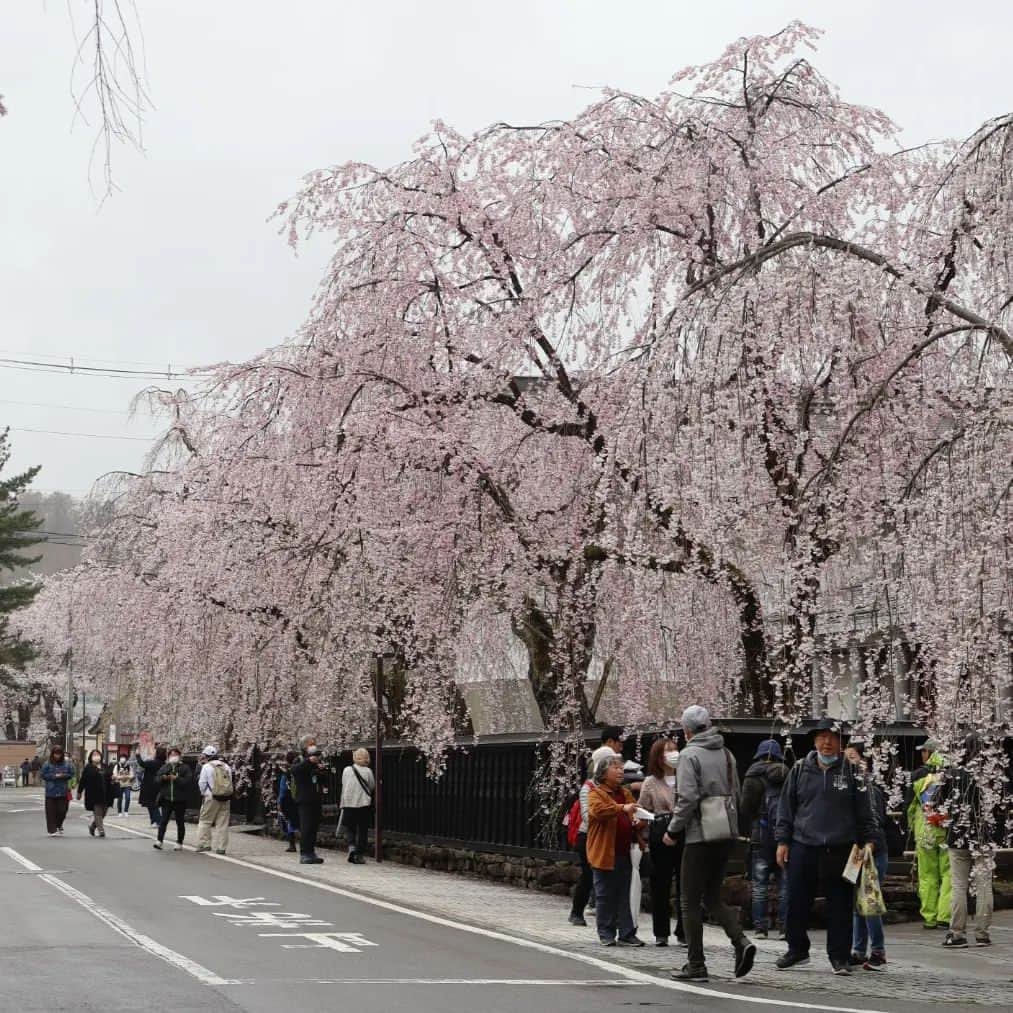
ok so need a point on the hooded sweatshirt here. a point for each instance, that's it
(763, 776)
(704, 767)
(824, 806)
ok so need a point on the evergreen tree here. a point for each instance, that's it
(17, 534)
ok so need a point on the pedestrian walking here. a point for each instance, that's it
(26, 772)
(969, 839)
(174, 780)
(824, 811)
(36, 771)
(868, 940)
(610, 829)
(761, 795)
(57, 774)
(707, 789)
(307, 775)
(96, 784)
(658, 796)
(288, 812)
(123, 775)
(576, 836)
(148, 770)
(931, 854)
(358, 786)
(216, 789)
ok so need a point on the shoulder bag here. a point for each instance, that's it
(718, 815)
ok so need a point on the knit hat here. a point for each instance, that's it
(768, 747)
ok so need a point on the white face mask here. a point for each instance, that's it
(672, 758)
(174, 759)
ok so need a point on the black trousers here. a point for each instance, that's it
(309, 824)
(56, 813)
(356, 823)
(816, 871)
(172, 810)
(665, 868)
(703, 873)
(583, 887)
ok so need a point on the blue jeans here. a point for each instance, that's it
(867, 933)
(763, 867)
(612, 900)
(123, 802)
(154, 814)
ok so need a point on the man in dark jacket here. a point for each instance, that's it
(306, 777)
(968, 836)
(824, 811)
(761, 794)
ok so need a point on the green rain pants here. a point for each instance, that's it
(934, 885)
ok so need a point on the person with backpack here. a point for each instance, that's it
(823, 813)
(307, 776)
(173, 780)
(969, 836)
(657, 796)
(96, 784)
(933, 859)
(57, 775)
(761, 795)
(707, 789)
(215, 786)
(576, 837)
(288, 814)
(867, 932)
(357, 788)
(123, 776)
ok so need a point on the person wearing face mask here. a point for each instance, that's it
(658, 796)
(148, 772)
(306, 785)
(824, 810)
(57, 775)
(174, 781)
(96, 784)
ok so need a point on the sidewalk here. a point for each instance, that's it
(919, 968)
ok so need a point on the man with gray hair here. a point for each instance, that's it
(706, 779)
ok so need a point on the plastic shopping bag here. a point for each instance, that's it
(869, 902)
(636, 885)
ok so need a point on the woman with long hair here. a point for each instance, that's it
(148, 770)
(57, 773)
(96, 785)
(658, 796)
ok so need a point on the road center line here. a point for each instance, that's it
(152, 946)
(629, 973)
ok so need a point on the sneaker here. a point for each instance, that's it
(101, 833)
(91, 829)
(930, 925)
(177, 847)
(661, 940)
(310, 860)
(745, 954)
(841, 966)
(578, 920)
(982, 939)
(782, 936)
(157, 845)
(631, 941)
(220, 851)
(688, 973)
(760, 933)
(203, 847)
(59, 830)
(53, 833)
(790, 959)
(954, 940)
(876, 962)
(607, 942)
(856, 960)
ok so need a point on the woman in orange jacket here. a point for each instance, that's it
(610, 827)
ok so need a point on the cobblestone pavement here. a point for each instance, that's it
(919, 969)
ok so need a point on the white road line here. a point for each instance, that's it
(156, 949)
(570, 983)
(629, 973)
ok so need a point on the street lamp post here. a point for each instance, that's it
(378, 798)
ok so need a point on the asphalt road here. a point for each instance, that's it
(114, 925)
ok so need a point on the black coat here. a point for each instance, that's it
(171, 791)
(306, 779)
(762, 775)
(96, 783)
(149, 786)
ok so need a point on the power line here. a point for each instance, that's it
(86, 358)
(91, 436)
(107, 372)
(68, 407)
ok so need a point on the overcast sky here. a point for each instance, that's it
(181, 266)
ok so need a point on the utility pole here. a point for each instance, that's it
(378, 800)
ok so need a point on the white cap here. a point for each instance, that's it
(600, 754)
(209, 751)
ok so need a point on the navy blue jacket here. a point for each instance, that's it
(823, 806)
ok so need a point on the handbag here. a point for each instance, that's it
(869, 901)
(718, 816)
